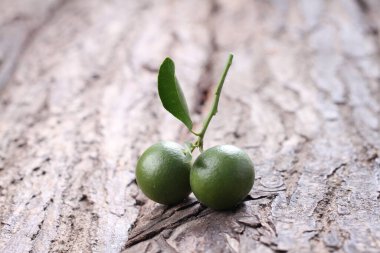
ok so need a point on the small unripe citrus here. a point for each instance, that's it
(222, 176)
(163, 172)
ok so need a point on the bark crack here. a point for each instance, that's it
(8, 68)
(325, 211)
(170, 219)
(205, 85)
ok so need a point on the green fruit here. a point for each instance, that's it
(222, 177)
(163, 171)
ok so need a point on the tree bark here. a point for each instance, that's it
(79, 104)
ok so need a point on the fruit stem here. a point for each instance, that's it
(214, 108)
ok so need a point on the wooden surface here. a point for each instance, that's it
(78, 104)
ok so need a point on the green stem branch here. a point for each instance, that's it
(214, 108)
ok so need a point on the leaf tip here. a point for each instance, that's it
(167, 60)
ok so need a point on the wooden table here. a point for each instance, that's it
(78, 104)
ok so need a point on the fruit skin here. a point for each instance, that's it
(222, 176)
(163, 172)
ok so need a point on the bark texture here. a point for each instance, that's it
(78, 104)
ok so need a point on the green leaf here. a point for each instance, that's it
(171, 94)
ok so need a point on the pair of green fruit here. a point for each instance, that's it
(220, 178)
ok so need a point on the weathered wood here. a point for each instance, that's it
(78, 104)
(20, 21)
